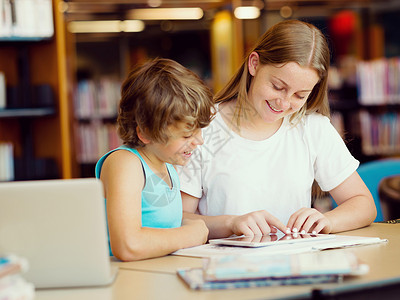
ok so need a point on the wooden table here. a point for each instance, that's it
(156, 278)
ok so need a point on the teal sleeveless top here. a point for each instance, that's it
(161, 205)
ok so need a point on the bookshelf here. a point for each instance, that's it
(370, 110)
(95, 111)
(36, 120)
(27, 166)
(379, 99)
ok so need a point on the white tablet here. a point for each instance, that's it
(271, 239)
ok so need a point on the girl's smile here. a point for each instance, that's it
(274, 110)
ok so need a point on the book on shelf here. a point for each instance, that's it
(96, 99)
(108, 97)
(380, 133)
(5, 18)
(378, 81)
(85, 99)
(6, 161)
(238, 271)
(26, 19)
(3, 89)
(94, 140)
(12, 284)
(96, 108)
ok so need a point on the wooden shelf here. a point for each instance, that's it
(20, 39)
(41, 133)
(26, 112)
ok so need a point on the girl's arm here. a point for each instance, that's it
(123, 179)
(254, 223)
(356, 208)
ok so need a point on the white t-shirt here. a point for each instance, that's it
(233, 175)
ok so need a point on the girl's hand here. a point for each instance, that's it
(255, 223)
(307, 220)
(199, 230)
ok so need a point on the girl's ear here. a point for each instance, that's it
(142, 136)
(253, 62)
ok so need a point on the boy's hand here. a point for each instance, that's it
(307, 220)
(199, 229)
(256, 223)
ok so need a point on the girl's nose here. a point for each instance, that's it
(283, 103)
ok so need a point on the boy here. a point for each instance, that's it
(162, 110)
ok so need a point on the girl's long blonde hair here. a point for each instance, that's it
(287, 41)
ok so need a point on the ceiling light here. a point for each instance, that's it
(94, 26)
(286, 12)
(132, 25)
(247, 12)
(154, 3)
(189, 13)
(105, 26)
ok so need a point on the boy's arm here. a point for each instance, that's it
(217, 225)
(123, 179)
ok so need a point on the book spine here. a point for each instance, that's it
(6, 161)
(3, 96)
(96, 104)
(378, 81)
(380, 133)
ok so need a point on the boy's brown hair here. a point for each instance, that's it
(160, 93)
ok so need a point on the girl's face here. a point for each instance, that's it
(277, 91)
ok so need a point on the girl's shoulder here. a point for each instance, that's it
(318, 127)
(315, 118)
(315, 121)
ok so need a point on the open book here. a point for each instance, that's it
(337, 241)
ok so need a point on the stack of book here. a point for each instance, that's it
(12, 285)
(240, 271)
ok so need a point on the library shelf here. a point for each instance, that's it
(39, 127)
(26, 112)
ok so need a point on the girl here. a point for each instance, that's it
(270, 140)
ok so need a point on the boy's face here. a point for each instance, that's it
(180, 145)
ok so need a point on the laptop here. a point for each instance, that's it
(59, 226)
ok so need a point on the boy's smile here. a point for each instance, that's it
(179, 147)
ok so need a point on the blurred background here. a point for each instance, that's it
(60, 81)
